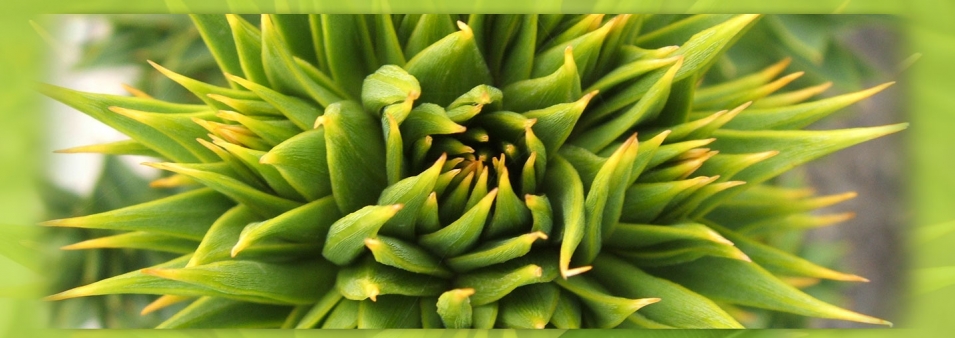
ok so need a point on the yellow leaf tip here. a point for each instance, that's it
(465, 29)
(59, 296)
(63, 222)
(239, 246)
(372, 243)
(576, 271)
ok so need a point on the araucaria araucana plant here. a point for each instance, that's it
(459, 171)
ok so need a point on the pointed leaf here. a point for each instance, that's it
(389, 312)
(320, 310)
(294, 283)
(368, 280)
(798, 116)
(456, 51)
(185, 215)
(138, 240)
(495, 252)
(555, 123)
(561, 86)
(530, 306)
(454, 307)
(262, 203)
(562, 184)
(608, 311)
(462, 234)
(212, 312)
(745, 283)
(679, 307)
(492, 284)
(302, 161)
(346, 236)
(406, 256)
(356, 150)
(348, 50)
(307, 224)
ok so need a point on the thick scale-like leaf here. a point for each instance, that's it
(456, 51)
(178, 127)
(567, 314)
(495, 252)
(212, 312)
(215, 31)
(273, 131)
(185, 215)
(471, 103)
(386, 86)
(600, 136)
(795, 148)
(248, 45)
(320, 310)
(519, 60)
(491, 284)
(308, 224)
(412, 193)
(296, 283)
(680, 252)
(406, 256)
(608, 311)
(343, 316)
(551, 126)
(138, 240)
(462, 234)
(428, 119)
(782, 263)
(628, 235)
(679, 307)
(530, 306)
(429, 313)
(215, 245)
(745, 283)
(346, 236)
(302, 161)
(429, 29)
(561, 86)
(202, 89)
(348, 50)
(699, 52)
(562, 184)
(389, 311)
(264, 204)
(604, 201)
(301, 112)
(454, 307)
(356, 150)
(138, 282)
(368, 280)
(510, 213)
(484, 316)
(125, 147)
(249, 161)
(798, 116)
(97, 106)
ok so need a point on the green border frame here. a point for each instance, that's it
(931, 110)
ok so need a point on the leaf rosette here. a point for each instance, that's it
(522, 171)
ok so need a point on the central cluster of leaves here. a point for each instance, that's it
(556, 180)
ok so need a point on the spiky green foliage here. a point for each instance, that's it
(512, 171)
(171, 40)
(89, 255)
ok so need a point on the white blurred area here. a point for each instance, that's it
(70, 128)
